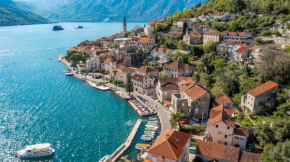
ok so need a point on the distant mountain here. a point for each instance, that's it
(107, 10)
(10, 14)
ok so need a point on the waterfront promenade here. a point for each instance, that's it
(162, 112)
(119, 152)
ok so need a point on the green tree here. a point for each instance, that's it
(77, 57)
(129, 85)
(162, 75)
(175, 118)
(220, 63)
(209, 47)
(182, 45)
(281, 152)
(179, 56)
(264, 134)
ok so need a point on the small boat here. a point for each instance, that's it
(105, 159)
(103, 88)
(151, 126)
(142, 146)
(146, 132)
(69, 74)
(37, 150)
(152, 119)
(151, 129)
(61, 57)
(146, 138)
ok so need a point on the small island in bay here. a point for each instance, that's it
(57, 28)
(79, 27)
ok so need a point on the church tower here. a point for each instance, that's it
(125, 25)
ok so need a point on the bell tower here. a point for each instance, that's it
(125, 25)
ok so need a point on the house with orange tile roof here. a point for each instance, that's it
(170, 146)
(192, 38)
(180, 23)
(221, 15)
(146, 43)
(110, 64)
(221, 128)
(256, 98)
(209, 151)
(178, 69)
(164, 54)
(212, 35)
(146, 71)
(241, 52)
(223, 99)
(193, 100)
(202, 18)
(239, 37)
(165, 88)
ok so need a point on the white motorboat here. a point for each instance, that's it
(146, 138)
(152, 119)
(150, 129)
(37, 150)
(105, 159)
(61, 57)
(152, 126)
(103, 88)
(142, 146)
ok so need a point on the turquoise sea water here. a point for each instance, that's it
(39, 104)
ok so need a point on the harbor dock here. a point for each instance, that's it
(119, 152)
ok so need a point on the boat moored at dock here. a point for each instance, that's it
(38, 150)
(69, 74)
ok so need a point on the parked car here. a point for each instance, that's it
(184, 121)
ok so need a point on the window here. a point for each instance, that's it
(226, 136)
(228, 127)
(217, 126)
(226, 143)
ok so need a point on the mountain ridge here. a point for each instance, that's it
(10, 15)
(107, 10)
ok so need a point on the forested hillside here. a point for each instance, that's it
(12, 15)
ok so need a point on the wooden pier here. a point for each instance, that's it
(119, 152)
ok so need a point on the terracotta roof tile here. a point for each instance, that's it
(171, 147)
(218, 151)
(222, 99)
(108, 61)
(165, 50)
(243, 49)
(144, 39)
(193, 90)
(221, 113)
(168, 80)
(182, 20)
(138, 77)
(145, 69)
(169, 87)
(220, 13)
(128, 70)
(241, 132)
(174, 33)
(212, 32)
(250, 157)
(176, 65)
(263, 88)
(192, 34)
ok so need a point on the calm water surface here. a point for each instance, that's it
(39, 104)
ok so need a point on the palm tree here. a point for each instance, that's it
(175, 118)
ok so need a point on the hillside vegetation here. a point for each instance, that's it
(10, 15)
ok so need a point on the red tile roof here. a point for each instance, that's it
(148, 26)
(178, 66)
(174, 33)
(241, 132)
(139, 78)
(165, 50)
(213, 32)
(168, 80)
(182, 20)
(170, 144)
(250, 157)
(193, 90)
(169, 87)
(263, 88)
(220, 13)
(128, 70)
(243, 49)
(222, 99)
(144, 39)
(218, 151)
(108, 60)
(145, 69)
(221, 113)
(192, 34)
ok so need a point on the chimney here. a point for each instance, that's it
(167, 136)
